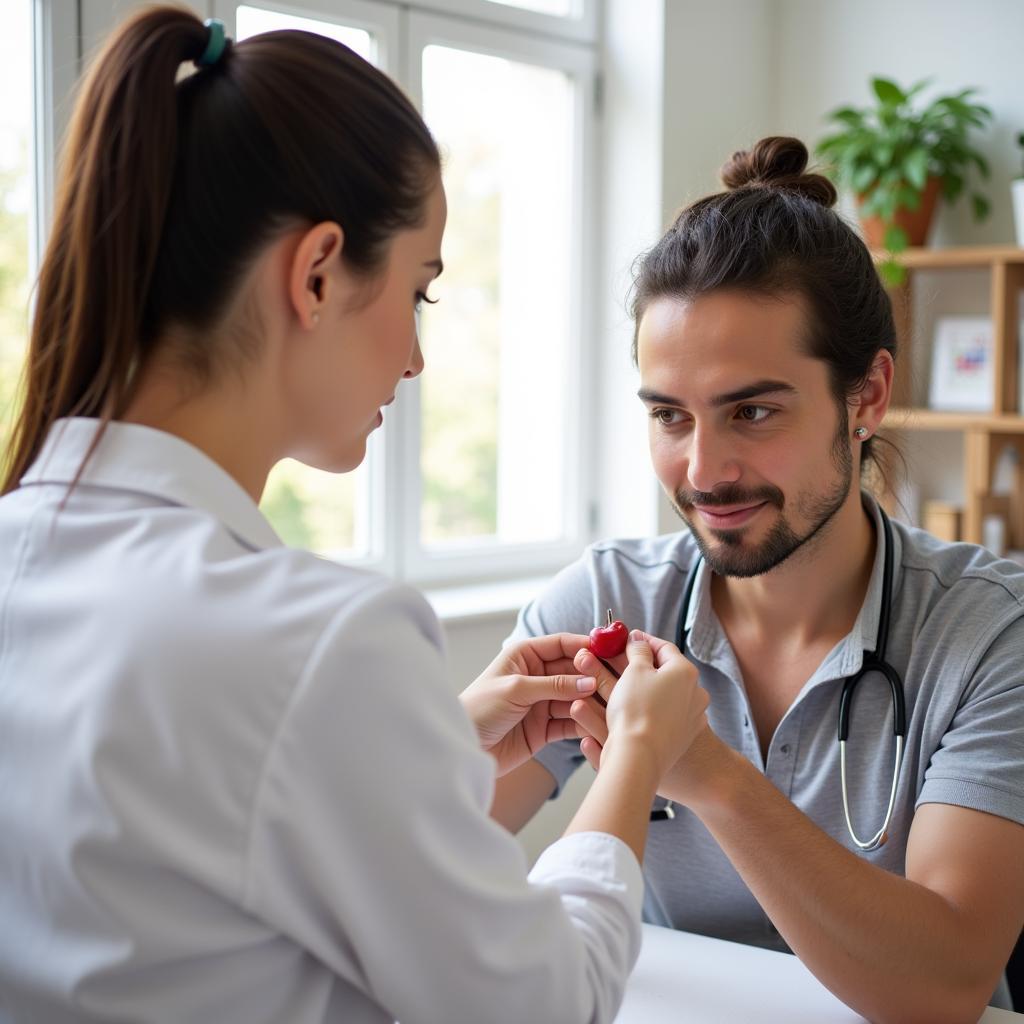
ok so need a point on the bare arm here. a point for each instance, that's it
(929, 947)
(519, 795)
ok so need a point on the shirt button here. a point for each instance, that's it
(746, 722)
(784, 748)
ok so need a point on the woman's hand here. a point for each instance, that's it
(521, 701)
(656, 679)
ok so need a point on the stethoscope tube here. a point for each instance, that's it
(873, 661)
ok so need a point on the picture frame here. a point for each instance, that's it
(962, 365)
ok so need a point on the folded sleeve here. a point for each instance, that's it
(979, 762)
(372, 848)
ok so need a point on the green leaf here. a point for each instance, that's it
(917, 87)
(863, 178)
(980, 206)
(952, 186)
(895, 238)
(908, 198)
(848, 115)
(888, 92)
(915, 167)
(980, 162)
(892, 273)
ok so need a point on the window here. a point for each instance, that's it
(17, 202)
(497, 425)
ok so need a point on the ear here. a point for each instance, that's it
(871, 403)
(309, 278)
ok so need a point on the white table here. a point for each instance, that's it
(688, 978)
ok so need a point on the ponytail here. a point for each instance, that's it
(99, 261)
(168, 188)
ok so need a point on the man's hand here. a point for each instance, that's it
(521, 701)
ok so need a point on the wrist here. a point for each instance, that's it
(623, 753)
(709, 777)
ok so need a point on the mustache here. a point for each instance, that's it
(729, 494)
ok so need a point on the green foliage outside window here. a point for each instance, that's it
(14, 288)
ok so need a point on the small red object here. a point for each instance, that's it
(609, 640)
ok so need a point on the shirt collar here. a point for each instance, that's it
(704, 632)
(142, 460)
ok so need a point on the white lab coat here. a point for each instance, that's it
(235, 786)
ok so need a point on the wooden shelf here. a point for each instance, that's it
(957, 258)
(931, 419)
(985, 434)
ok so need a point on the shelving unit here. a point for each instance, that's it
(987, 434)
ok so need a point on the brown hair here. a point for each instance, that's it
(774, 232)
(169, 188)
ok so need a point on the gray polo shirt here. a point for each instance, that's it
(957, 639)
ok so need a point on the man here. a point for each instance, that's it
(765, 345)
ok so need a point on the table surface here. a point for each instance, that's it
(718, 982)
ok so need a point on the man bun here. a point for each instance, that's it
(778, 162)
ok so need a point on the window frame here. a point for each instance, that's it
(581, 25)
(378, 17)
(495, 560)
(56, 58)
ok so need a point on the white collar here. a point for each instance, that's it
(142, 460)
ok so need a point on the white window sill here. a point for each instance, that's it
(491, 600)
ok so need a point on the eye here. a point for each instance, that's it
(665, 417)
(754, 413)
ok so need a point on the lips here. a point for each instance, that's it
(728, 517)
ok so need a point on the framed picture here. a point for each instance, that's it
(961, 378)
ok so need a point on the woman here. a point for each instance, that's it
(234, 785)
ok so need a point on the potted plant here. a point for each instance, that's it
(1017, 187)
(897, 159)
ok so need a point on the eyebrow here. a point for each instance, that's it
(755, 390)
(437, 265)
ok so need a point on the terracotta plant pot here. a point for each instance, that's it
(916, 223)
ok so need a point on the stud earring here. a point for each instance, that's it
(860, 433)
(315, 318)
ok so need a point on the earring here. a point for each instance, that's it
(315, 318)
(861, 433)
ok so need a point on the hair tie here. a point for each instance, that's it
(216, 43)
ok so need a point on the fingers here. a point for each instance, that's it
(591, 750)
(590, 717)
(639, 650)
(663, 651)
(528, 690)
(561, 729)
(552, 648)
(591, 665)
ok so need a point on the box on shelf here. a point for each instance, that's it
(942, 520)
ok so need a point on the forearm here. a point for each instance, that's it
(891, 948)
(619, 799)
(520, 794)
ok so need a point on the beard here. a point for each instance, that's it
(732, 556)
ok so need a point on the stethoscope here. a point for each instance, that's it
(874, 661)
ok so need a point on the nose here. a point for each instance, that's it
(415, 367)
(712, 461)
